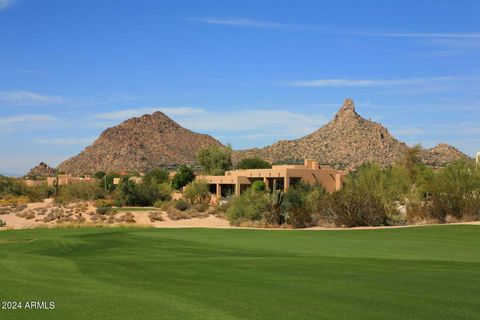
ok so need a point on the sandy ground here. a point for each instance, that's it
(142, 219)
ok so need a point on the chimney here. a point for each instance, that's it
(311, 164)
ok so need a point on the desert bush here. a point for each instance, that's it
(159, 204)
(132, 194)
(200, 207)
(174, 214)
(20, 207)
(99, 175)
(250, 206)
(222, 206)
(258, 186)
(97, 204)
(156, 176)
(49, 217)
(471, 209)
(155, 216)
(127, 218)
(197, 192)
(11, 200)
(352, 208)
(105, 210)
(452, 191)
(274, 215)
(215, 159)
(12, 186)
(30, 215)
(194, 213)
(418, 212)
(2, 223)
(253, 163)
(296, 207)
(184, 176)
(37, 194)
(79, 191)
(106, 182)
(181, 205)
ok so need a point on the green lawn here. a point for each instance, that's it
(115, 273)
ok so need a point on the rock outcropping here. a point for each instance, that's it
(42, 170)
(441, 155)
(347, 141)
(139, 144)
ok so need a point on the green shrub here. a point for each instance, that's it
(106, 182)
(184, 176)
(79, 191)
(132, 194)
(103, 203)
(274, 215)
(105, 210)
(452, 192)
(250, 206)
(253, 163)
(12, 186)
(2, 223)
(197, 192)
(258, 186)
(418, 211)
(353, 208)
(40, 193)
(181, 205)
(156, 176)
(215, 159)
(99, 175)
(296, 208)
(455, 191)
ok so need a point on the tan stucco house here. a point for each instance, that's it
(278, 177)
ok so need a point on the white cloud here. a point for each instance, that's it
(243, 124)
(462, 35)
(6, 3)
(264, 122)
(369, 82)
(27, 118)
(21, 97)
(64, 141)
(239, 22)
(252, 23)
(128, 113)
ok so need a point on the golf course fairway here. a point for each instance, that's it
(146, 273)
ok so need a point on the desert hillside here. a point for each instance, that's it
(348, 141)
(150, 141)
(139, 144)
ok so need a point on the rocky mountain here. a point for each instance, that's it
(41, 170)
(347, 141)
(441, 155)
(151, 141)
(139, 144)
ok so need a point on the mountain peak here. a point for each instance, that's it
(347, 110)
(139, 144)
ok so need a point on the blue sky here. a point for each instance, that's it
(69, 69)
